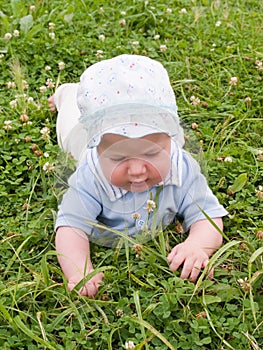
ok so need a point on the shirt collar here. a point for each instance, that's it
(174, 176)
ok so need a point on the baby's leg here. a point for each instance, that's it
(70, 133)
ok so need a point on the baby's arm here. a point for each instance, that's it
(73, 247)
(195, 251)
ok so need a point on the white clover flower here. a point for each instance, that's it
(23, 96)
(102, 37)
(137, 248)
(99, 54)
(151, 205)
(169, 11)
(46, 154)
(8, 36)
(194, 126)
(135, 43)
(195, 100)
(228, 159)
(24, 118)
(13, 103)
(156, 37)
(32, 8)
(45, 133)
(25, 85)
(10, 85)
(129, 345)
(163, 48)
(16, 33)
(248, 99)
(43, 89)
(136, 216)
(48, 168)
(183, 11)
(61, 65)
(122, 22)
(123, 13)
(119, 312)
(50, 84)
(240, 280)
(52, 35)
(47, 68)
(233, 81)
(51, 26)
(45, 130)
(218, 23)
(7, 125)
(101, 10)
(244, 284)
(259, 64)
(259, 193)
(30, 100)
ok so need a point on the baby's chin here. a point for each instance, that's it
(139, 186)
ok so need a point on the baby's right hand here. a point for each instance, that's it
(90, 289)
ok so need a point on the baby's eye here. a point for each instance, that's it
(117, 159)
(152, 154)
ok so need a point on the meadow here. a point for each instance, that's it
(213, 53)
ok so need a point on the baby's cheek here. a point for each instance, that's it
(161, 169)
(107, 170)
(117, 175)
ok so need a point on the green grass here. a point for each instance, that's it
(141, 300)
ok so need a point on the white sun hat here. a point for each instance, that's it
(128, 95)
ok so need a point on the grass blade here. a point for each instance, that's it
(20, 324)
(153, 331)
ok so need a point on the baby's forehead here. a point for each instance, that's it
(115, 141)
(150, 137)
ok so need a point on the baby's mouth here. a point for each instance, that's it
(138, 185)
(138, 182)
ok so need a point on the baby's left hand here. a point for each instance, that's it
(192, 257)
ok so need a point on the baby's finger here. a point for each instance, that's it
(210, 271)
(172, 254)
(71, 286)
(210, 274)
(195, 272)
(90, 290)
(176, 262)
(190, 269)
(92, 286)
(100, 277)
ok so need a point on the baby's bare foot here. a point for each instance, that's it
(51, 104)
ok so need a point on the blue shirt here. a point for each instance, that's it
(90, 199)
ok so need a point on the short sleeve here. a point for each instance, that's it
(196, 198)
(80, 205)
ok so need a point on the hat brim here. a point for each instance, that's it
(143, 120)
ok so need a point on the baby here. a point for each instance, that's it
(121, 125)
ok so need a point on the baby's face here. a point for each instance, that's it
(135, 164)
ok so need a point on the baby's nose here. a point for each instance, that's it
(136, 167)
